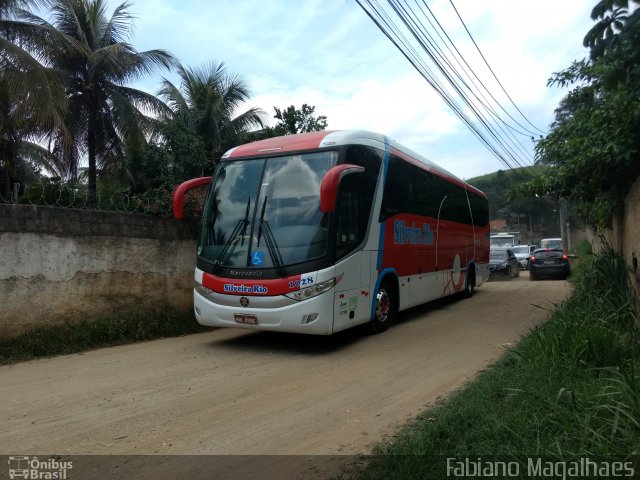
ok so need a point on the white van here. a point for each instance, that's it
(551, 243)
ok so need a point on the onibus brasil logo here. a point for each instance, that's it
(32, 468)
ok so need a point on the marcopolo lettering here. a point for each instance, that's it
(413, 234)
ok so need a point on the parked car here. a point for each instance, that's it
(549, 262)
(503, 263)
(522, 253)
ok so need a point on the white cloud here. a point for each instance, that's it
(331, 55)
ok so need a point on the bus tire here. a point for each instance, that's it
(470, 283)
(386, 308)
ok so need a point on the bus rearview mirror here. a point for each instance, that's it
(331, 182)
(179, 193)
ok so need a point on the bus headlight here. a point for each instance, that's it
(201, 289)
(312, 291)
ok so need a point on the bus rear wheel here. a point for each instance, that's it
(385, 310)
(469, 284)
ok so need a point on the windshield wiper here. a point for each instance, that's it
(233, 239)
(269, 239)
(264, 205)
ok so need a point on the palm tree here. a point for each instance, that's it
(611, 16)
(32, 97)
(102, 111)
(207, 101)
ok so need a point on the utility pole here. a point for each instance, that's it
(563, 222)
(530, 231)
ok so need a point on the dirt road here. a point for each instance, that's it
(236, 392)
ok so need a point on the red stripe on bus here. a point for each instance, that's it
(428, 245)
(289, 143)
(249, 287)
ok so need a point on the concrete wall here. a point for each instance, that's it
(58, 265)
(625, 234)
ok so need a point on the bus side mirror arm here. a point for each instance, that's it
(181, 190)
(331, 182)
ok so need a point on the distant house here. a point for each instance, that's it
(498, 225)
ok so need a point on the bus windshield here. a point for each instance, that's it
(265, 213)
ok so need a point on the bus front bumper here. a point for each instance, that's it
(312, 316)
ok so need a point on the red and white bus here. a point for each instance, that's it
(319, 232)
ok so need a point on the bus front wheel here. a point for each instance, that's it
(386, 307)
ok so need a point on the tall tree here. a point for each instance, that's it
(32, 99)
(292, 120)
(594, 144)
(207, 101)
(102, 111)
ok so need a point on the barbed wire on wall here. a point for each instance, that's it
(157, 201)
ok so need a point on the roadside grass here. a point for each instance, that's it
(584, 253)
(570, 388)
(88, 334)
(583, 249)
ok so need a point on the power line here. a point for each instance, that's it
(496, 133)
(458, 88)
(511, 141)
(491, 70)
(528, 132)
(388, 27)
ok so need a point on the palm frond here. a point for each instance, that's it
(254, 117)
(173, 98)
(67, 18)
(144, 102)
(119, 28)
(10, 7)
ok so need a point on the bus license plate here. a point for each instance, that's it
(245, 319)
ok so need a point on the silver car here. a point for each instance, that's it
(523, 253)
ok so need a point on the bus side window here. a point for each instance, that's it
(397, 190)
(348, 222)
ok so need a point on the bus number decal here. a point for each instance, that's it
(303, 282)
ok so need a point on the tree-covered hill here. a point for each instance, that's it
(538, 213)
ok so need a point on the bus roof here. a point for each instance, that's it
(333, 138)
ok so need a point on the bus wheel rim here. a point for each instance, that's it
(383, 305)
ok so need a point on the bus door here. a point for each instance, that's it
(353, 208)
(353, 297)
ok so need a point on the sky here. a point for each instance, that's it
(330, 54)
